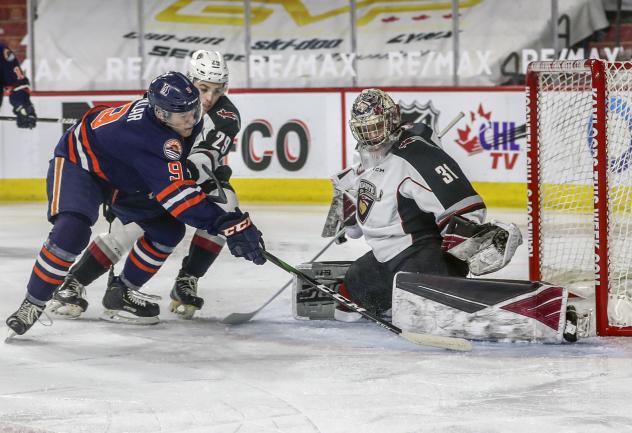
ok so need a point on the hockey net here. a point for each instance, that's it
(580, 183)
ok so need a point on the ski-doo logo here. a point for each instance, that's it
(367, 196)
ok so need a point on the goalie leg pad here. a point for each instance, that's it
(480, 309)
(308, 303)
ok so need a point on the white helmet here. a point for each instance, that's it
(208, 66)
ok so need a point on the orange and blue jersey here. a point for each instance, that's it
(12, 77)
(133, 152)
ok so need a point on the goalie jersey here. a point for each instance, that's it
(412, 194)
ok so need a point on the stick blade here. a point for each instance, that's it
(238, 318)
(450, 343)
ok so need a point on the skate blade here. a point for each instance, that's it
(10, 336)
(183, 310)
(64, 311)
(118, 316)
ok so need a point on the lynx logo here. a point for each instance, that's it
(498, 138)
(165, 89)
(417, 113)
(367, 196)
(172, 149)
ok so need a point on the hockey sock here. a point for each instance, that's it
(70, 235)
(92, 264)
(202, 254)
(144, 261)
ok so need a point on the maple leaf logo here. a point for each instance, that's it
(471, 143)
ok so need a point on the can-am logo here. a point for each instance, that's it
(484, 134)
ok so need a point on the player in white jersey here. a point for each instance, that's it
(425, 225)
(209, 73)
(407, 190)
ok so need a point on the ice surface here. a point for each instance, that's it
(276, 374)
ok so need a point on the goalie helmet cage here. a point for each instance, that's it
(580, 183)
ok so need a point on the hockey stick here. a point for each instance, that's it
(451, 124)
(239, 318)
(221, 195)
(451, 343)
(43, 119)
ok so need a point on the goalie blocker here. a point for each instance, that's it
(475, 309)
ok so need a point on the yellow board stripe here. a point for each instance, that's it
(297, 191)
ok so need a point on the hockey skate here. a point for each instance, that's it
(69, 299)
(184, 299)
(24, 318)
(125, 305)
(570, 329)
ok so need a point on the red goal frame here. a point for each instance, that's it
(597, 70)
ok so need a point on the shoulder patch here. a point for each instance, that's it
(409, 140)
(227, 114)
(8, 54)
(172, 149)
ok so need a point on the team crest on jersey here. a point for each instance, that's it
(409, 140)
(173, 149)
(417, 113)
(226, 114)
(367, 196)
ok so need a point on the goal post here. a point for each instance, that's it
(579, 176)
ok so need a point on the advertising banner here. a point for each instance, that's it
(488, 142)
(304, 134)
(303, 43)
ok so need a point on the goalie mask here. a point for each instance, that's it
(375, 119)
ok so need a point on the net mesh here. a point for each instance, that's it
(565, 158)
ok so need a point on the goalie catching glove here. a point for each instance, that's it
(242, 236)
(485, 247)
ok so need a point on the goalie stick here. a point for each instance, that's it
(43, 119)
(451, 124)
(451, 343)
(239, 318)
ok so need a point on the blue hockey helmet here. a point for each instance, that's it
(175, 101)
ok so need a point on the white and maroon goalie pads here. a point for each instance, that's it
(479, 309)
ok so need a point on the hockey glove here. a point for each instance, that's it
(485, 247)
(26, 117)
(243, 238)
